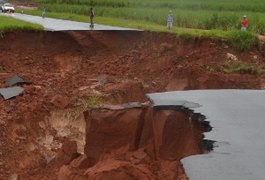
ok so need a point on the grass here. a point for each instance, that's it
(237, 39)
(139, 24)
(208, 68)
(11, 24)
(242, 41)
(199, 14)
(87, 103)
(90, 102)
(241, 67)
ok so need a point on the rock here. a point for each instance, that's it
(166, 46)
(32, 146)
(231, 57)
(255, 57)
(64, 173)
(68, 152)
(13, 177)
(67, 173)
(138, 157)
(118, 170)
(170, 170)
(108, 131)
(81, 162)
(177, 84)
(69, 147)
(102, 79)
(42, 124)
(83, 88)
(59, 101)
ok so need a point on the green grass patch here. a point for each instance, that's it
(11, 24)
(90, 102)
(208, 68)
(241, 40)
(241, 67)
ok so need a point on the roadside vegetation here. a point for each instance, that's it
(11, 24)
(234, 67)
(237, 39)
(198, 14)
(242, 68)
(242, 41)
(193, 18)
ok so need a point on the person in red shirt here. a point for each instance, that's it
(244, 23)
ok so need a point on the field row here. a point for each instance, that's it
(201, 19)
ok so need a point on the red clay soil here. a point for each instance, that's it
(119, 66)
(137, 144)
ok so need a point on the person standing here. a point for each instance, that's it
(92, 15)
(170, 19)
(43, 13)
(244, 23)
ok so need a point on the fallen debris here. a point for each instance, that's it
(231, 57)
(102, 79)
(10, 92)
(16, 80)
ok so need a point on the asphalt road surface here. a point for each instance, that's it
(238, 121)
(52, 24)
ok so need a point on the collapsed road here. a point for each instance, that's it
(237, 118)
(55, 130)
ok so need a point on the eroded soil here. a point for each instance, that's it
(44, 133)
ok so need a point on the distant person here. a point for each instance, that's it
(244, 23)
(43, 13)
(170, 19)
(91, 15)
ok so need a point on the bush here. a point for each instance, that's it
(240, 67)
(242, 40)
(90, 102)
(259, 27)
(208, 68)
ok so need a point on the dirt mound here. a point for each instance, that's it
(66, 68)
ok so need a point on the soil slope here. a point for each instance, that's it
(67, 67)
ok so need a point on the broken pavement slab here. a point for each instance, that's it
(10, 92)
(237, 118)
(130, 105)
(16, 80)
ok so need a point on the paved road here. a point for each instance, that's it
(238, 121)
(64, 25)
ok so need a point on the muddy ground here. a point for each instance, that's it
(44, 133)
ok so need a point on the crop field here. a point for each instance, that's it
(201, 14)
